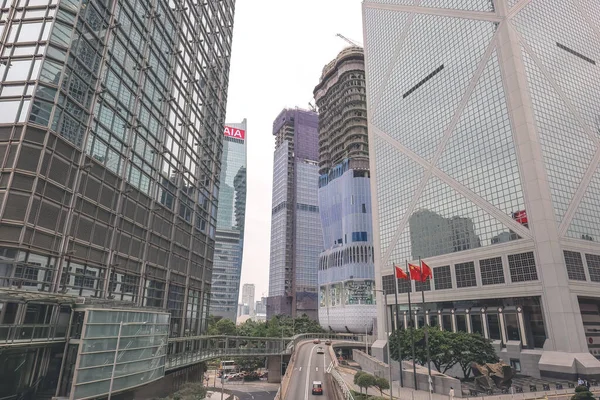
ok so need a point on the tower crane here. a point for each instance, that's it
(351, 42)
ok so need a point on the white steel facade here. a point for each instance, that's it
(484, 136)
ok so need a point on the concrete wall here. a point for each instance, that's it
(441, 382)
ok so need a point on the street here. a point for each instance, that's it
(308, 367)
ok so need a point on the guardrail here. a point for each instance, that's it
(340, 382)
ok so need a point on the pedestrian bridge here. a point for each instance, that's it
(185, 351)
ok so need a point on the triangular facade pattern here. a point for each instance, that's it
(380, 52)
(394, 198)
(591, 8)
(566, 147)
(418, 102)
(468, 5)
(569, 50)
(586, 221)
(444, 221)
(480, 153)
(512, 3)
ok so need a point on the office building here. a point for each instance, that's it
(261, 306)
(111, 116)
(295, 225)
(484, 121)
(248, 297)
(346, 271)
(231, 215)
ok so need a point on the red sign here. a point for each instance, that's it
(520, 217)
(235, 133)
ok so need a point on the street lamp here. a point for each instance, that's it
(387, 329)
(366, 343)
(112, 374)
(281, 368)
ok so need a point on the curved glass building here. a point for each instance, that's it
(346, 277)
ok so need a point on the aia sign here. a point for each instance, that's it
(235, 133)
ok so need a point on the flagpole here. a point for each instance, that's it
(412, 328)
(398, 331)
(430, 382)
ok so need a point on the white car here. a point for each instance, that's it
(320, 350)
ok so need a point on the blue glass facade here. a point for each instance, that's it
(231, 213)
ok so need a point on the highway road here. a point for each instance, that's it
(308, 367)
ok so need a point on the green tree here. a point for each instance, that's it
(356, 377)
(381, 384)
(470, 348)
(222, 327)
(582, 393)
(365, 381)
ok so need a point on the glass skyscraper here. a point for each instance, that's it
(484, 130)
(295, 225)
(111, 121)
(346, 275)
(231, 213)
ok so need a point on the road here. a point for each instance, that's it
(255, 391)
(308, 367)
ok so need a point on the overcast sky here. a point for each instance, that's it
(279, 50)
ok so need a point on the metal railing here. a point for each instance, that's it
(340, 382)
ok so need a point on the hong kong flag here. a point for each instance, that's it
(400, 274)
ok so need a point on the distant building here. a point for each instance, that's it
(261, 306)
(230, 223)
(346, 271)
(295, 223)
(248, 291)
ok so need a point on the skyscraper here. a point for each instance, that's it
(111, 116)
(248, 297)
(346, 271)
(483, 116)
(295, 225)
(231, 214)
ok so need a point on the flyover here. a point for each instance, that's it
(186, 351)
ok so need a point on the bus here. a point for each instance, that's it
(227, 366)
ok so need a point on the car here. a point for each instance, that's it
(320, 350)
(328, 342)
(316, 341)
(317, 388)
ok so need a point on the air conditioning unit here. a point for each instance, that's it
(80, 300)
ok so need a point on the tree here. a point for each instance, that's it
(356, 377)
(582, 393)
(470, 348)
(365, 381)
(222, 327)
(381, 384)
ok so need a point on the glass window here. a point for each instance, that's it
(476, 326)
(494, 326)
(18, 70)
(30, 32)
(461, 322)
(512, 327)
(447, 322)
(10, 110)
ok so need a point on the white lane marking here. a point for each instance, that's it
(300, 369)
(312, 351)
(317, 369)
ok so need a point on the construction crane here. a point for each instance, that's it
(351, 42)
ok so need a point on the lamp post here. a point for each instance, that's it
(366, 343)
(281, 368)
(112, 374)
(387, 332)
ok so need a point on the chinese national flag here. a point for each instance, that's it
(400, 274)
(425, 272)
(415, 272)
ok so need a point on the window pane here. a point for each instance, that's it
(18, 70)
(9, 111)
(494, 326)
(30, 32)
(512, 327)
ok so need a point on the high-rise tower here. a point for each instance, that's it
(346, 276)
(484, 130)
(111, 121)
(231, 215)
(295, 225)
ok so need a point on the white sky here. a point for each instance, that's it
(279, 50)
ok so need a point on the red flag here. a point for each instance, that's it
(415, 272)
(425, 272)
(400, 273)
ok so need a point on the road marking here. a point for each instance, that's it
(317, 369)
(312, 351)
(300, 369)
